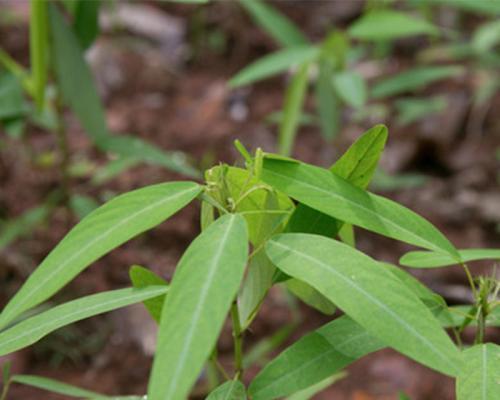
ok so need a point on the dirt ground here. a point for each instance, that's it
(174, 93)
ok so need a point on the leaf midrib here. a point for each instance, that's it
(71, 316)
(391, 313)
(334, 195)
(196, 315)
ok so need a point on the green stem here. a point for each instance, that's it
(62, 142)
(471, 280)
(238, 340)
(5, 390)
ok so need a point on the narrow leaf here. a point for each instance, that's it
(86, 21)
(327, 102)
(273, 64)
(39, 48)
(273, 22)
(294, 100)
(389, 25)
(328, 193)
(351, 88)
(201, 292)
(54, 386)
(142, 277)
(108, 227)
(74, 77)
(310, 392)
(480, 377)
(413, 79)
(430, 259)
(369, 294)
(34, 328)
(313, 358)
(231, 390)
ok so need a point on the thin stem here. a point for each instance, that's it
(470, 279)
(481, 326)
(62, 141)
(238, 340)
(5, 390)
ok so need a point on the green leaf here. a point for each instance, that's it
(486, 7)
(389, 25)
(12, 102)
(39, 48)
(138, 149)
(82, 205)
(31, 330)
(326, 102)
(111, 225)
(74, 77)
(358, 164)
(351, 88)
(311, 391)
(86, 21)
(142, 277)
(24, 224)
(230, 390)
(310, 296)
(486, 37)
(415, 78)
(480, 377)
(369, 294)
(330, 194)
(273, 64)
(430, 259)
(54, 386)
(414, 109)
(294, 100)
(203, 287)
(314, 357)
(273, 22)
(257, 283)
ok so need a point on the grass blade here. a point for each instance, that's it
(430, 259)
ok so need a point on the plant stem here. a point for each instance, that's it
(470, 279)
(62, 141)
(238, 340)
(3, 395)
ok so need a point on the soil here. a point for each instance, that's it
(177, 98)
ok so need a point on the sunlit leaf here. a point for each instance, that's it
(351, 88)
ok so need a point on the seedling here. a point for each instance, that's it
(278, 221)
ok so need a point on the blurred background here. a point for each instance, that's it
(178, 85)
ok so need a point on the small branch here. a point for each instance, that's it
(238, 340)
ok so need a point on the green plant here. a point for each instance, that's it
(297, 220)
(337, 84)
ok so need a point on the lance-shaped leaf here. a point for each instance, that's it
(109, 226)
(231, 390)
(480, 377)
(201, 292)
(33, 329)
(369, 294)
(143, 277)
(276, 24)
(430, 259)
(273, 64)
(54, 386)
(313, 358)
(330, 194)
